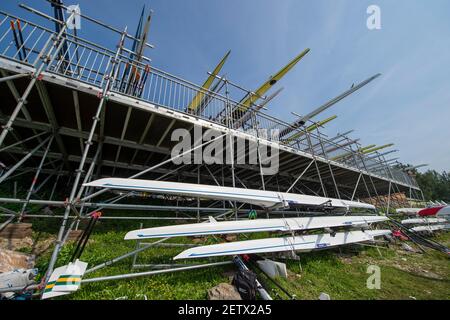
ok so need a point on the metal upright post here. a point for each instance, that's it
(389, 200)
(423, 196)
(198, 199)
(229, 119)
(15, 189)
(110, 78)
(361, 172)
(389, 173)
(90, 171)
(329, 164)
(370, 177)
(256, 128)
(138, 245)
(56, 182)
(88, 176)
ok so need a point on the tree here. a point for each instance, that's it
(435, 186)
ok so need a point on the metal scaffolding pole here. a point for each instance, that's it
(361, 157)
(80, 192)
(258, 145)
(329, 164)
(151, 273)
(389, 200)
(229, 121)
(16, 76)
(308, 138)
(388, 170)
(18, 164)
(23, 141)
(35, 178)
(361, 172)
(7, 222)
(300, 177)
(356, 187)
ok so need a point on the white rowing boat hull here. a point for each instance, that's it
(299, 244)
(409, 211)
(424, 221)
(435, 228)
(253, 226)
(444, 212)
(265, 199)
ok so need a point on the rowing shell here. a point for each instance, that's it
(265, 199)
(424, 221)
(253, 226)
(299, 244)
(439, 227)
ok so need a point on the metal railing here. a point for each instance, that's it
(85, 61)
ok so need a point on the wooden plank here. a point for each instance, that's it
(17, 231)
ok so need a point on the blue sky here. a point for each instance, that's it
(409, 105)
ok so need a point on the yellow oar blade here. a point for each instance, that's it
(196, 102)
(272, 81)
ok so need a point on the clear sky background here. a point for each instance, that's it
(409, 105)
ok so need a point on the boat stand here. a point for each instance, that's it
(140, 244)
(155, 269)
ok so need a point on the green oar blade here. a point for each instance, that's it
(272, 81)
(196, 102)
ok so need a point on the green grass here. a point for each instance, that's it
(341, 274)
(345, 278)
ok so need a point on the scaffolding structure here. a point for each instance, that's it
(73, 111)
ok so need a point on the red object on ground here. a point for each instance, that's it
(430, 211)
(398, 234)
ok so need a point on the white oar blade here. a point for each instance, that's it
(70, 281)
(65, 280)
(49, 290)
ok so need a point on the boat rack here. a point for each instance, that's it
(73, 110)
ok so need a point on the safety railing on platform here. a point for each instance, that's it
(21, 40)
